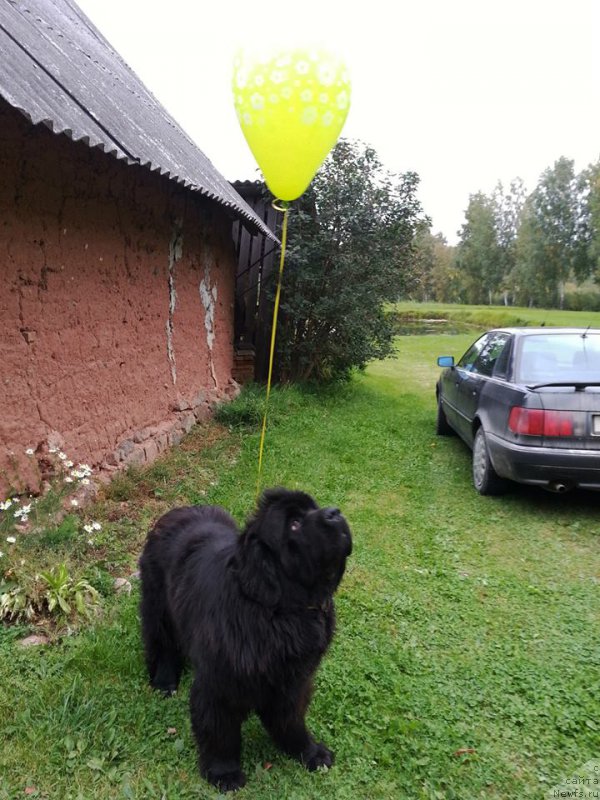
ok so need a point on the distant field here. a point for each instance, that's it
(496, 316)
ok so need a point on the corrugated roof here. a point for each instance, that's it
(58, 69)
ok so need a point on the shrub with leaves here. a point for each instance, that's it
(349, 251)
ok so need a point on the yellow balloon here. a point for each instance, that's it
(291, 106)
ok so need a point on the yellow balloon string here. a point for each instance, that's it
(285, 209)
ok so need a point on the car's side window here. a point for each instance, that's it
(470, 357)
(491, 353)
(501, 368)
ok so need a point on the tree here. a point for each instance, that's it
(479, 255)
(527, 279)
(419, 286)
(349, 251)
(445, 279)
(555, 240)
(434, 275)
(592, 205)
(508, 208)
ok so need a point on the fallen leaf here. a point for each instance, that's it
(464, 750)
(30, 789)
(171, 731)
(267, 765)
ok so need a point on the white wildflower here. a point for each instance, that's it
(1, 554)
(6, 505)
(82, 471)
(62, 456)
(23, 512)
(68, 464)
(11, 539)
(52, 449)
(74, 502)
(30, 451)
(68, 479)
(92, 526)
(85, 481)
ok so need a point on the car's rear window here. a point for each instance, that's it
(559, 357)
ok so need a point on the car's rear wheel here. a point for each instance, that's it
(441, 424)
(485, 478)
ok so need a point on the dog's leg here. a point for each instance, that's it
(164, 660)
(217, 729)
(169, 667)
(283, 717)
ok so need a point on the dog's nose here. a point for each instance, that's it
(331, 514)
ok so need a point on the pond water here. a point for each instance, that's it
(421, 327)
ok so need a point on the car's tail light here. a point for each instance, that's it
(538, 422)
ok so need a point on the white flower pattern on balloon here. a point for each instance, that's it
(310, 115)
(312, 69)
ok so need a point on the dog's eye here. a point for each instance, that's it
(295, 525)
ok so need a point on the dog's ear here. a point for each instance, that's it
(284, 498)
(256, 568)
(272, 512)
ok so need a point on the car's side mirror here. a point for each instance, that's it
(445, 361)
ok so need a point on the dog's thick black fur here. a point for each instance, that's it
(254, 614)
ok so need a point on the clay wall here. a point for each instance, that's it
(116, 305)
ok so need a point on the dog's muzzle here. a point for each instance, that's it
(331, 514)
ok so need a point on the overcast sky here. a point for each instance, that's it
(464, 92)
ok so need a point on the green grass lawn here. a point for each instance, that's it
(466, 662)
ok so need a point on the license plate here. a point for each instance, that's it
(596, 424)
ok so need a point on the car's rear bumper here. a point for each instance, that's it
(545, 466)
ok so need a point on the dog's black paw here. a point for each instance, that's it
(317, 755)
(166, 689)
(226, 781)
(166, 677)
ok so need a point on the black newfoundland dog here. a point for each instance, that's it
(254, 614)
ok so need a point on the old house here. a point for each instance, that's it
(116, 254)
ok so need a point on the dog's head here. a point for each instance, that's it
(293, 546)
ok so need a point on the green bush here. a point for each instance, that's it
(582, 301)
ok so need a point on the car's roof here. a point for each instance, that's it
(526, 331)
